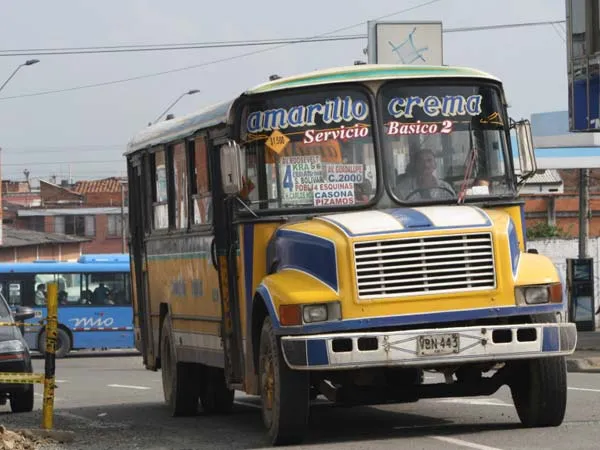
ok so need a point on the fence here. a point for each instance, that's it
(48, 377)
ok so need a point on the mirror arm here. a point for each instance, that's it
(243, 203)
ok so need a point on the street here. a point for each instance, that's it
(113, 402)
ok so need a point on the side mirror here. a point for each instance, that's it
(526, 150)
(24, 313)
(231, 168)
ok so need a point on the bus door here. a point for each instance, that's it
(224, 250)
(139, 220)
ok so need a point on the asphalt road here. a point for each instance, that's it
(114, 403)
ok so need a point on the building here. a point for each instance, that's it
(26, 246)
(93, 209)
(552, 195)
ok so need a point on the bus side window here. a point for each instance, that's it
(200, 182)
(14, 294)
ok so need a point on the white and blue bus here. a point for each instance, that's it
(94, 301)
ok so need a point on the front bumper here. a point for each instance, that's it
(401, 348)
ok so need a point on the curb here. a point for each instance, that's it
(63, 437)
(587, 365)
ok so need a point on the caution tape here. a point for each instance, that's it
(19, 324)
(21, 378)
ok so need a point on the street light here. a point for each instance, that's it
(192, 92)
(29, 62)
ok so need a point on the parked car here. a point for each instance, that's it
(15, 358)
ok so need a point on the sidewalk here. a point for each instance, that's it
(587, 353)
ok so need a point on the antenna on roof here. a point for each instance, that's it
(274, 77)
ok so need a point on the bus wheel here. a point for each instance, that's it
(539, 391)
(215, 396)
(63, 343)
(284, 392)
(180, 380)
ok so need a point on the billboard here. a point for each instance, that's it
(414, 43)
(583, 65)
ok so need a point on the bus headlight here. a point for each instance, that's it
(321, 312)
(536, 295)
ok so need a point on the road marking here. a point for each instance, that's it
(251, 405)
(126, 386)
(61, 381)
(474, 401)
(462, 443)
(584, 389)
(90, 422)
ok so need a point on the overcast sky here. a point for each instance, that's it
(90, 127)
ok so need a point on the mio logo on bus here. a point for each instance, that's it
(92, 322)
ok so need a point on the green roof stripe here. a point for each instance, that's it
(372, 72)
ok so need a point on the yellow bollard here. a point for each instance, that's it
(50, 367)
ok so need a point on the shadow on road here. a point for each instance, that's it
(149, 425)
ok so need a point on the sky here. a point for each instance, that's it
(84, 132)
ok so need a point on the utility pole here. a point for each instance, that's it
(123, 243)
(584, 211)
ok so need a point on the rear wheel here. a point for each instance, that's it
(284, 392)
(22, 401)
(180, 380)
(215, 396)
(63, 343)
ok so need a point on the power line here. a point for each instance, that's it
(241, 55)
(228, 44)
(50, 163)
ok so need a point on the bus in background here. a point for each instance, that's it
(94, 302)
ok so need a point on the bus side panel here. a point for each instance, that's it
(181, 276)
(98, 326)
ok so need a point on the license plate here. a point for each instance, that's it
(438, 344)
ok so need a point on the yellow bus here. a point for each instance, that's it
(337, 233)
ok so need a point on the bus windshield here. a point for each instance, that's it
(308, 150)
(445, 142)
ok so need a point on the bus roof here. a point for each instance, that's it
(96, 263)
(62, 267)
(179, 128)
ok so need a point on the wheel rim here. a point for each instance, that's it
(267, 383)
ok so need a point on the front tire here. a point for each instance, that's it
(284, 392)
(21, 402)
(539, 392)
(180, 380)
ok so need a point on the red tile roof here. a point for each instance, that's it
(93, 186)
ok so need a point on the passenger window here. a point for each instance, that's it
(106, 289)
(201, 193)
(69, 288)
(180, 176)
(160, 204)
(14, 294)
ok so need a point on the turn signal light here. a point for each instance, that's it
(556, 293)
(290, 315)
